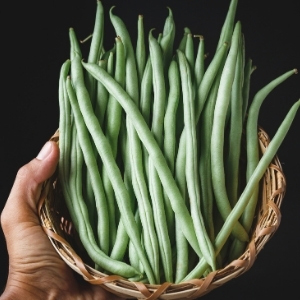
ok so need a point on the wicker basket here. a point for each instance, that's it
(57, 225)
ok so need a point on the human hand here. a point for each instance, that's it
(36, 271)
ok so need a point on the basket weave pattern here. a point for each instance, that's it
(57, 225)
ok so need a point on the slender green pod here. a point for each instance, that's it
(131, 69)
(112, 129)
(114, 109)
(146, 96)
(192, 175)
(202, 94)
(252, 140)
(170, 115)
(78, 210)
(140, 51)
(190, 51)
(88, 147)
(120, 246)
(246, 86)
(232, 159)
(95, 48)
(208, 79)
(205, 125)
(102, 96)
(75, 48)
(182, 43)
(113, 171)
(64, 119)
(253, 155)
(161, 205)
(159, 89)
(167, 40)
(182, 246)
(153, 149)
(244, 198)
(97, 37)
(199, 69)
(148, 227)
(228, 26)
(132, 88)
(217, 140)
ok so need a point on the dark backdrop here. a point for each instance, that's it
(34, 44)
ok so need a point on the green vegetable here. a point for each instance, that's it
(150, 149)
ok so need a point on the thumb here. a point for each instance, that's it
(25, 193)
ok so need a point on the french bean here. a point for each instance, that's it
(244, 198)
(217, 140)
(192, 175)
(153, 149)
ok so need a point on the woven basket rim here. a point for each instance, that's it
(268, 221)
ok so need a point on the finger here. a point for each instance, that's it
(26, 190)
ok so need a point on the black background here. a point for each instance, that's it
(34, 44)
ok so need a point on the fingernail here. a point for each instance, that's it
(45, 151)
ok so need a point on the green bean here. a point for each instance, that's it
(96, 46)
(244, 198)
(102, 96)
(113, 124)
(232, 166)
(122, 238)
(158, 110)
(182, 43)
(246, 86)
(75, 48)
(90, 160)
(140, 51)
(182, 248)
(145, 209)
(121, 244)
(253, 155)
(235, 132)
(161, 205)
(106, 54)
(97, 37)
(192, 175)
(217, 140)
(202, 94)
(135, 149)
(227, 28)
(199, 69)
(79, 210)
(170, 115)
(110, 63)
(131, 70)
(252, 141)
(182, 254)
(205, 125)
(146, 104)
(132, 254)
(64, 119)
(109, 192)
(105, 152)
(208, 79)
(167, 40)
(190, 52)
(153, 149)
(146, 92)
(114, 110)
(91, 83)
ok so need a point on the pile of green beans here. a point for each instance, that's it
(150, 139)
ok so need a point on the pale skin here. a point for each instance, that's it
(36, 271)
